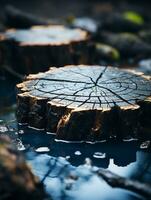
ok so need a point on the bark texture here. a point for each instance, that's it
(40, 47)
(90, 103)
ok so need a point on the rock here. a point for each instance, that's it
(128, 44)
(120, 22)
(107, 52)
(145, 35)
(86, 23)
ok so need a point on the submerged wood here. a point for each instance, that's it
(36, 49)
(117, 181)
(90, 103)
(16, 179)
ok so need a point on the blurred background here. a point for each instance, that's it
(106, 22)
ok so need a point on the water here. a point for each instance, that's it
(67, 160)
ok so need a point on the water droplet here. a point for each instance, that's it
(21, 148)
(50, 133)
(88, 162)
(42, 149)
(129, 139)
(3, 129)
(67, 157)
(77, 153)
(21, 131)
(20, 145)
(145, 145)
(99, 155)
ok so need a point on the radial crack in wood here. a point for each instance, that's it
(89, 103)
(35, 49)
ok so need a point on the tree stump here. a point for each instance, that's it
(90, 103)
(16, 179)
(35, 49)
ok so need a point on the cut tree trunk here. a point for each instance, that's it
(90, 103)
(16, 179)
(36, 49)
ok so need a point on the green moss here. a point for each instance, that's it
(133, 17)
(109, 51)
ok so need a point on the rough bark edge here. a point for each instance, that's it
(80, 124)
(27, 58)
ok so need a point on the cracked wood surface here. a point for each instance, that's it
(86, 102)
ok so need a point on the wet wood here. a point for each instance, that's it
(117, 181)
(36, 49)
(90, 103)
(16, 179)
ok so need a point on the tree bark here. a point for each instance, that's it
(40, 47)
(90, 103)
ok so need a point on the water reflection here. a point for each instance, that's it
(123, 153)
(87, 186)
(142, 171)
(123, 158)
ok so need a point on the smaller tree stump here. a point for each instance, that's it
(91, 103)
(35, 49)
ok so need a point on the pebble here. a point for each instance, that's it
(77, 153)
(99, 155)
(20, 131)
(145, 145)
(42, 149)
(3, 129)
